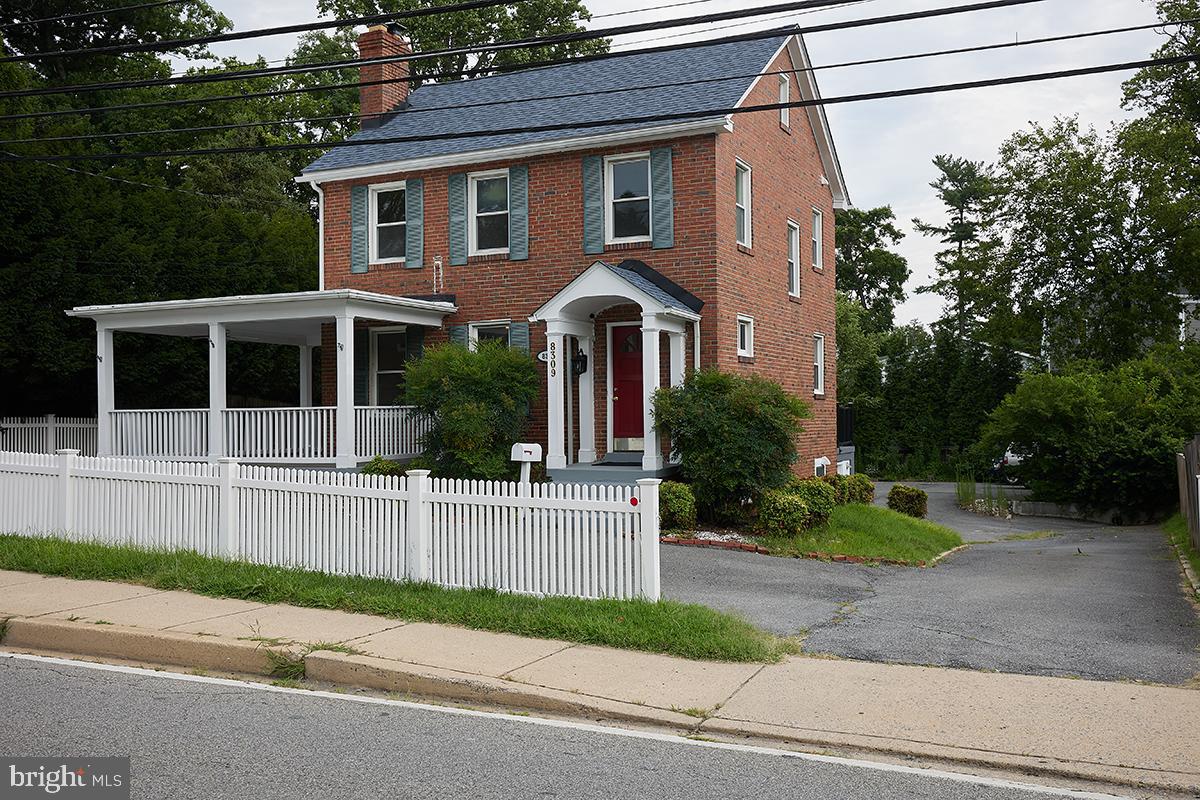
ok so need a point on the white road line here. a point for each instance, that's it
(977, 780)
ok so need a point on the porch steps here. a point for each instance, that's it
(610, 474)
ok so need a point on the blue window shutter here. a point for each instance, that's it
(362, 366)
(518, 336)
(518, 213)
(458, 218)
(459, 335)
(593, 204)
(359, 252)
(415, 342)
(662, 198)
(414, 218)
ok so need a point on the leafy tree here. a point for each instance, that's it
(970, 193)
(858, 369)
(867, 270)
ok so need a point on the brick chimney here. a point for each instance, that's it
(381, 41)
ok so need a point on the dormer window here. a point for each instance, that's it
(388, 223)
(627, 205)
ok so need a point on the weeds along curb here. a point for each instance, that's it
(1188, 573)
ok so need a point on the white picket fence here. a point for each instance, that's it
(48, 434)
(544, 539)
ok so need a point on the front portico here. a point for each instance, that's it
(571, 340)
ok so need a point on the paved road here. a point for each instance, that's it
(206, 740)
(1091, 601)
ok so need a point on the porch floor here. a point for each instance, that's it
(613, 474)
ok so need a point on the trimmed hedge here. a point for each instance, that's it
(382, 466)
(860, 489)
(782, 513)
(908, 500)
(676, 506)
(819, 496)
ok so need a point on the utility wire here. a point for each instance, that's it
(550, 40)
(714, 28)
(231, 36)
(101, 12)
(600, 92)
(741, 37)
(636, 120)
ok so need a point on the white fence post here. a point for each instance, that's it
(227, 527)
(417, 528)
(66, 490)
(647, 494)
(51, 434)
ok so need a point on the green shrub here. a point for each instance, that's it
(819, 496)
(382, 466)
(734, 437)
(479, 402)
(676, 506)
(908, 500)
(840, 487)
(782, 513)
(859, 489)
(1103, 438)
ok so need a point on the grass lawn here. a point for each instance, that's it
(870, 532)
(1177, 532)
(679, 629)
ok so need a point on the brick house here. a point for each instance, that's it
(707, 243)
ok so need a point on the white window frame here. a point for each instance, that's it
(473, 330)
(819, 364)
(373, 210)
(472, 213)
(373, 361)
(749, 206)
(748, 322)
(609, 161)
(785, 96)
(793, 258)
(818, 239)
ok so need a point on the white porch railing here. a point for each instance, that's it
(388, 431)
(545, 539)
(293, 435)
(160, 433)
(47, 434)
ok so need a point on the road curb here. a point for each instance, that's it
(137, 644)
(933, 562)
(1189, 574)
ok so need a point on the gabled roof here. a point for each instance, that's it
(654, 283)
(695, 63)
(603, 285)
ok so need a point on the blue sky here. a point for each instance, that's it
(886, 146)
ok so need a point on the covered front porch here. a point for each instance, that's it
(342, 435)
(590, 350)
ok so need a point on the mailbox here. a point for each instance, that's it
(526, 454)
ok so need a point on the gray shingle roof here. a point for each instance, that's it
(712, 61)
(653, 288)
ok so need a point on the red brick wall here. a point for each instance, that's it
(705, 259)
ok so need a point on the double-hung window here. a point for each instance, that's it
(389, 352)
(388, 228)
(496, 331)
(785, 96)
(793, 258)
(742, 205)
(745, 334)
(818, 364)
(818, 239)
(488, 211)
(627, 201)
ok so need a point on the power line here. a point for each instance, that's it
(511, 44)
(101, 12)
(599, 92)
(619, 121)
(231, 36)
(714, 28)
(742, 37)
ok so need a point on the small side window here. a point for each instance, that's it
(793, 258)
(743, 200)
(785, 96)
(745, 334)
(818, 239)
(818, 364)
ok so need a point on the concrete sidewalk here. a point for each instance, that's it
(1111, 732)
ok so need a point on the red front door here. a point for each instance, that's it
(627, 387)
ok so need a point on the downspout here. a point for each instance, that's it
(320, 234)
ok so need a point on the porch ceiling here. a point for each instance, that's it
(289, 318)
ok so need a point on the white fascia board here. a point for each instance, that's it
(689, 127)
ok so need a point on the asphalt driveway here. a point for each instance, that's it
(1090, 601)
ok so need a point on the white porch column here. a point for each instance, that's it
(651, 380)
(557, 363)
(345, 392)
(216, 390)
(306, 356)
(105, 398)
(587, 403)
(678, 366)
